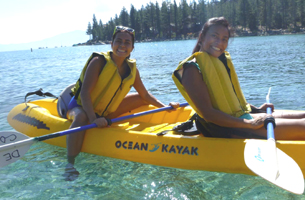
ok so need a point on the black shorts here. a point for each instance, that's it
(213, 130)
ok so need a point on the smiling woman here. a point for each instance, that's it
(208, 81)
(101, 93)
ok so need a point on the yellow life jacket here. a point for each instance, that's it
(110, 89)
(215, 76)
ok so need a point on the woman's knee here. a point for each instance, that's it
(81, 118)
(78, 116)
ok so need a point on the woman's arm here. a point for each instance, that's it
(91, 77)
(197, 90)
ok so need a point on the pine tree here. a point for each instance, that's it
(89, 30)
(158, 20)
(124, 17)
(94, 28)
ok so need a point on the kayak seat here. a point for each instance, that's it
(63, 101)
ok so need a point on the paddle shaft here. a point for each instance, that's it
(270, 128)
(86, 127)
(271, 140)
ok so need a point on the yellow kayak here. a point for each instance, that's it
(137, 140)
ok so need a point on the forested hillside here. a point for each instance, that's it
(181, 20)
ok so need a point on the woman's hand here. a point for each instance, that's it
(100, 122)
(258, 122)
(174, 104)
(266, 105)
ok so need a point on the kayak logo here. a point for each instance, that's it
(259, 157)
(31, 121)
(155, 148)
(165, 148)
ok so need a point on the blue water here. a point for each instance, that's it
(261, 62)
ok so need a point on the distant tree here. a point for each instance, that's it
(185, 16)
(138, 26)
(124, 17)
(233, 13)
(100, 30)
(201, 12)
(244, 10)
(175, 7)
(146, 22)
(89, 30)
(165, 23)
(95, 28)
(278, 20)
(111, 26)
(252, 22)
(263, 13)
(194, 16)
(293, 12)
(158, 19)
(151, 14)
(301, 12)
(132, 17)
(116, 20)
(169, 14)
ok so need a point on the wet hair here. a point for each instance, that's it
(212, 22)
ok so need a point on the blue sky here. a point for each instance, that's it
(24, 21)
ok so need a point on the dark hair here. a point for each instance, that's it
(212, 22)
(124, 31)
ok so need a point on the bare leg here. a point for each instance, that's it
(75, 141)
(289, 126)
(289, 129)
(289, 115)
(283, 114)
(130, 102)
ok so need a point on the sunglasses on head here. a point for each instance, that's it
(123, 28)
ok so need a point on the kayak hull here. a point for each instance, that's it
(137, 140)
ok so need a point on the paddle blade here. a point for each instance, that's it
(8, 137)
(13, 146)
(283, 171)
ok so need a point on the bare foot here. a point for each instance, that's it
(71, 174)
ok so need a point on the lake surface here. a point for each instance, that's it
(261, 62)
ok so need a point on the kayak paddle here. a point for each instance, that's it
(13, 145)
(271, 163)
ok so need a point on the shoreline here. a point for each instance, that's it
(193, 36)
